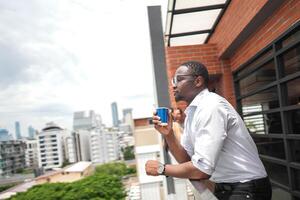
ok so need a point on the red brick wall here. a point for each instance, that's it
(206, 54)
(273, 27)
(235, 19)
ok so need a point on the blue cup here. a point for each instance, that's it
(163, 113)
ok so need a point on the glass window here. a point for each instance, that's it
(261, 77)
(296, 173)
(270, 147)
(264, 123)
(295, 150)
(293, 120)
(293, 90)
(291, 60)
(277, 172)
(264, 100)
(255, 63)
(280, 194)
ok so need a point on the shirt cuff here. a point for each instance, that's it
(202, 164)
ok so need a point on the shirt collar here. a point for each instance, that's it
(196, 101)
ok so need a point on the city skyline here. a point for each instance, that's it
(59, 57)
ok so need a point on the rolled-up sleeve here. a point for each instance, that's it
(209, 138)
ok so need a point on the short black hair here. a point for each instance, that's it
(197, 69)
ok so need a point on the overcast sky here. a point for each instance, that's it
(61, 56)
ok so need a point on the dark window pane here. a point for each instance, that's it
(291, 39)
(263, 76)
(264, 123)
(277, 172)
(296, 173)
(255, 63)
(293, 89)
(280, 194)
(261, 101)
(273, 123)
(291, 61)
(293, 121)
(270, 147)
(295, 150)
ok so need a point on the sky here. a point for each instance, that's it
(62, 56)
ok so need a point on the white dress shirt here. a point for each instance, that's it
(218, 142)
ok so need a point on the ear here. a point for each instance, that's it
(199, 81)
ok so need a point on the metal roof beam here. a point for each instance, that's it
(196, 9)
(188, 33)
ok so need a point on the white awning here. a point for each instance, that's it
(192, 22)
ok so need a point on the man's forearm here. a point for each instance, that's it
(176, 149)
(185, 170)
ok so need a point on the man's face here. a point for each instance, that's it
(183, 83)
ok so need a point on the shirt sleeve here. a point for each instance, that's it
(210, 135)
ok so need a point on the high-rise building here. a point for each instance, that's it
(78, 144)
(51, 146)
(98, 147)
(82, 142)
(31, 132)
(115, 115)
(12, 156)
(71, 148)
(31, 153)
(85, 120)
(112, 143)
(127, 117)
(18, 130)
(4, 136)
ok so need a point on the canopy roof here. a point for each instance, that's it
(192, 21)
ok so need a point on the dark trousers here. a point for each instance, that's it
(259, 189)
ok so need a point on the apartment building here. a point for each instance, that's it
(31, 153)
(12, 156)
(51, 146)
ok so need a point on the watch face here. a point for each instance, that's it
(161, 168)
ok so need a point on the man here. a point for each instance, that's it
(215, 143)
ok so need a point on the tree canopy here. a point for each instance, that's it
(105, 183)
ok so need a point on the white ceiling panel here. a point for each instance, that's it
(188, 40)
(195, 21)
(182, 4)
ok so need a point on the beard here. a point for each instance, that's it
(179, 98)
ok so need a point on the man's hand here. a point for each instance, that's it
(152, 167)
(165, 130)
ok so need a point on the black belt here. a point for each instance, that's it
(257, 183)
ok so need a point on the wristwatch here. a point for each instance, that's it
(161, 169)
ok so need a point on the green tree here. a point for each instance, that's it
(128, 153)
(105, 183)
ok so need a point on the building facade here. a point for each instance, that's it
(148, 147)
(115, 114)
(12, 157)
(253, 58)
(31, 153)
(51, 146)
(31, 132)
(18, 130)
(85, 120)
(4, 135)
